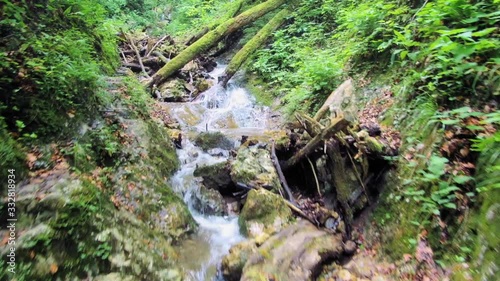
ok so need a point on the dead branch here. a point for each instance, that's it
(281, 176)
(337, 124)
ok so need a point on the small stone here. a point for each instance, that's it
(350, 247)
(344, 275)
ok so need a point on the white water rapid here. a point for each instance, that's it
(233, 112)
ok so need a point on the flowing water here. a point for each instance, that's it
(233, 112)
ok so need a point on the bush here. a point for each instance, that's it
(51, 56)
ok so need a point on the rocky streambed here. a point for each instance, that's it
(247, 229)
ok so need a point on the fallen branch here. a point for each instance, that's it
(281, 176)
(337, 124)
(315, 176)
(156, 45)
(138, 55)
(312, 126)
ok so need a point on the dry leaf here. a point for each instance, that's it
(53, 268)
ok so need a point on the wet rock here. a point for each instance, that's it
(253, 167)
(294, 254)
(218, 152)
(202, 85)
(233, 263)
(173, 91)
(263, 212)
(215, 176)
(209, 140)
(209, 202)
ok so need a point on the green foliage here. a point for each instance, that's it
(51, 56)
(454, 45)
(11, 155)
(441, 192)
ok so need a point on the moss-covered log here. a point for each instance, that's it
(213, 37)
(254, 43)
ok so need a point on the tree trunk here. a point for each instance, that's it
(213, 37)
(252, 45)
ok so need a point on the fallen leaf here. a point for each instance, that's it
(53, 268)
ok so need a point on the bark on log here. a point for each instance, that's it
(338, 124)
(213, 37)
(252, 45)
(346, 86)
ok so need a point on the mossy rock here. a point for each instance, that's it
(263, 212)
(173, 91)
(253, 166)
(215, 176)
(203, 84)
(209, 140)
(209, 202)
(233, 263)
(293, 254)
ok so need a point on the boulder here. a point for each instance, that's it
(215, 176)
(263, 212)
(203, 84)
(233, 263)
(209, 201)
(209, 140)
(253, 167)
(294, 254)
(173, 91)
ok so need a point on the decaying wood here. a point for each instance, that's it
(136, 67)
(161, 57)
(299, 212)
(358, 176)
(312, 126)
(346, 86)
(156, 45)
(281, 176)
(252, 45)
(315, 176)
(339, 173)
(337, 125)
(138, 55)
(213, 37)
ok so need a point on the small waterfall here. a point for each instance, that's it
(233, 112)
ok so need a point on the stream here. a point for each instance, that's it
(233, 112)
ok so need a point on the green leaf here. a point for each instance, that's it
(484, 32)
(462, 179)
(450, 205)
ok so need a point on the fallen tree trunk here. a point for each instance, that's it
(213, 37)
(337, 125)
(252, 45)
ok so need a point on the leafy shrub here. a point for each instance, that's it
(51, 56)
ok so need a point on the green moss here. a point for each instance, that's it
(209, 140)
(260, 90)
(264, 208)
